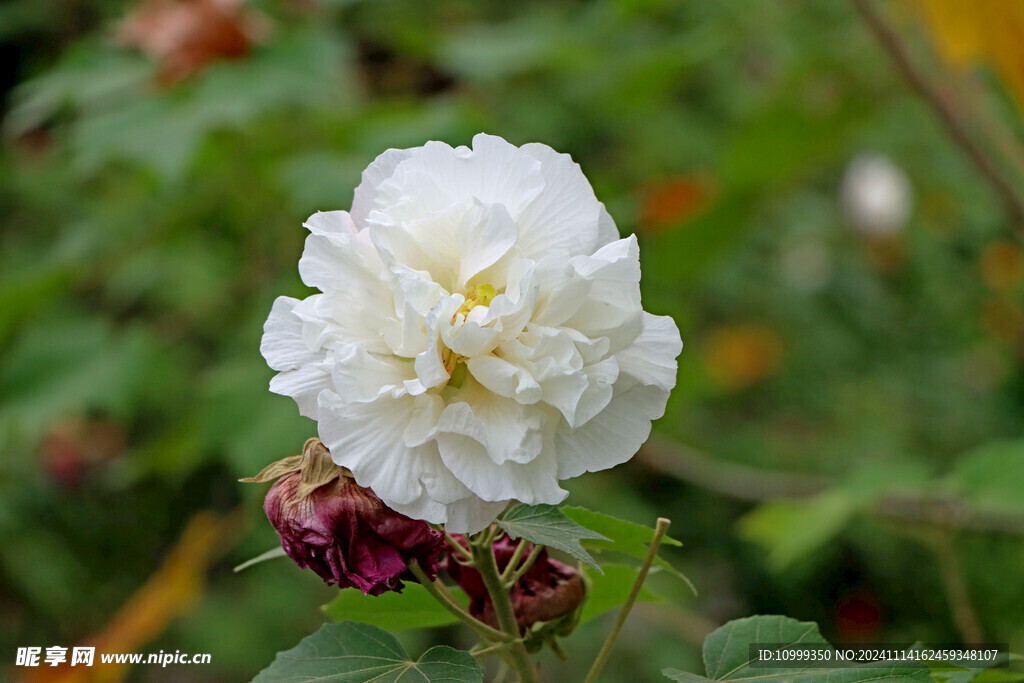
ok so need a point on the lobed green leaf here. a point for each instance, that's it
(549, 526)
(355, 653)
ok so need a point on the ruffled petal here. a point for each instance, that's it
(368, 438)
(614, 435)
(283, 345)
(564, 220)
(507, 431)
(652, 356)
(361, 377)
(485, 234)
(383, 167)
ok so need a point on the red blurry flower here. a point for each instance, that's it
(342, 531)
(74, 445)
(185, 36)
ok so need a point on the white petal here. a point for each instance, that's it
(485, 234)
(470, 515)
(339, 260)
(652, 356)
(614, 435)
(509, 312)
(330, 223)
(612, 308)
(504, 378)
(368, 439)
(435, 176)
(508, 431)
(606, 230)
(364, 200)
(564, 391)
(395, 244)
(600, 379)
(415, 295)
(282, 344)
(360, 377)
(562, 291)
(429, 367)
(564, 220)
(532, 483)
(304, 385)
(423, 424)
(335, 316)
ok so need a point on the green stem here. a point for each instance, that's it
(441, 593)
(488, 568)
(458, 547)
(534, 554)
(482, 652)
(517, 555)
(659, 533)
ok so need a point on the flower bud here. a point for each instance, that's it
(342, 531)
(548, 591)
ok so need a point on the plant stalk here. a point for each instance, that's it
(441, 593)
(652, 551)
(518, 658)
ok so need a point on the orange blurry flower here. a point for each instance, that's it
(1002, 320)
(185, 36)
(738, 356)
(1000, 266)
(668, 202)
(988, 32)
(170, 592)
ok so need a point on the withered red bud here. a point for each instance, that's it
(548, 590)
(345, 534)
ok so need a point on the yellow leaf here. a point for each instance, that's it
(171, 591)
(989, 32)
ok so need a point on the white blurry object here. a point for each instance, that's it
(876, 195)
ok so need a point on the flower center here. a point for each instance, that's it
(483, 295)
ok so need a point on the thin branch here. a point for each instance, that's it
(441, 593)
(945, 106)
(954, 582)
(660, 529)
(754, 484)
(731, 479)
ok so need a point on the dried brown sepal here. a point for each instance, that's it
(276, 470)
(317, 469)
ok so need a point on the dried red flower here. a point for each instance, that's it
(342, 531)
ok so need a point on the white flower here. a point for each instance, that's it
(479, 334)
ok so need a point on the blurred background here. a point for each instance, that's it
(844, 444)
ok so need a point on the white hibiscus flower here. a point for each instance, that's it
(479, 334)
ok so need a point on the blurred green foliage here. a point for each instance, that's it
(147, 228)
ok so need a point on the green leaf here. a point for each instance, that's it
(609, 590)
(944, 673)
(412, 608)
(992, 475)
(547, 525)
(623, 537)
(271, 554)
(355, 653)
(727, 656)
(792, 530)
